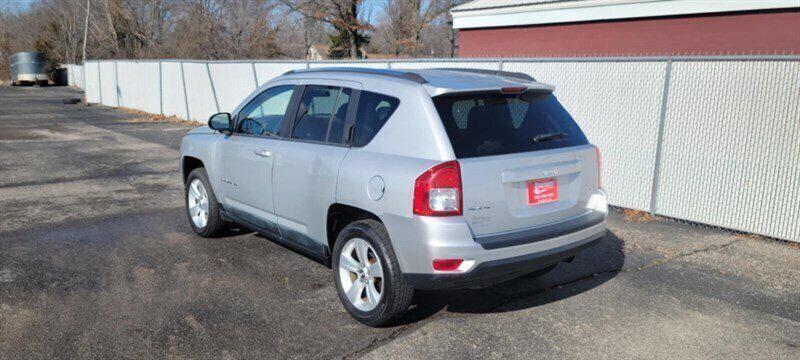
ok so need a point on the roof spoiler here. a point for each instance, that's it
(508, 74)
(536, 88)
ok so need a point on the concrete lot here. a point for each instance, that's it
(97, 260)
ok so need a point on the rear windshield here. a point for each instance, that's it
(496, 124)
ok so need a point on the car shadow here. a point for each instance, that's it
(232, 230)
(589, 269)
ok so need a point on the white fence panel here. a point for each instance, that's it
(108, 83)
(618, 105)
(173, 98)
(92, 89)
(74, 74)
(232, 82)
(731, 151)
(199, 93)
(361, 64)
(267, 71)
(138, 86)
(77, 76)
(430, 64)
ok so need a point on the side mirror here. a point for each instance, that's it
(221, 122)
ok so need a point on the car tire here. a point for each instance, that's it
(395, 292)
(202, 207)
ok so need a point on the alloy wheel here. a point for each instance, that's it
(198, 203)
(361, 274)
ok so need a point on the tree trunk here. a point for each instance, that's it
(354, 53)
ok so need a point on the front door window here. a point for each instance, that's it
(264, 115)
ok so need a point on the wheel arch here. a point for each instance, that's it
(339, 216)
(189, 163)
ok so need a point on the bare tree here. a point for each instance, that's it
(346, 16)
(440, 37)
(224, 29)
(411, 27)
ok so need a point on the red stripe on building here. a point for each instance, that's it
(709, 34)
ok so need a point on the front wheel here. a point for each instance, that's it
(201, 204)
(367, 275)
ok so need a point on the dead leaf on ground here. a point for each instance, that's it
(636, 215)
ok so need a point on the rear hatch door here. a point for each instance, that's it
(524, 161)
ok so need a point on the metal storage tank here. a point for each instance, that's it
(28, 67)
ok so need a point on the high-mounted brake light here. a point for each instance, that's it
(437, 192)
(513, 89)
(599, 167)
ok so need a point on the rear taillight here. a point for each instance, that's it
(599, 168)
(437, 192)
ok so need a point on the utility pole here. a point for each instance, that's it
(85, 31)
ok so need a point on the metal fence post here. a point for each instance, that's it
(160, 90)
(660, 138)
(185, 95)
(308, 65)
(388, 64)
(83, 75)
(255, 74)
(500, 64)
(213, 90)
(99, 84)
(116, 81)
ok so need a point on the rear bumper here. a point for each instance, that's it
(543, 232)
(418, 240)
(495, 271)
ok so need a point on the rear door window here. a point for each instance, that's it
(485, 124)
(322, 110)
(373, 111)
(339, 116)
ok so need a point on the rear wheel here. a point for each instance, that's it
(201, 204)
(367, 275)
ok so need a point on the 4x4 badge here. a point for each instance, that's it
(481, 207)
(229, 182)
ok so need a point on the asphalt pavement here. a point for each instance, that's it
(97, 260)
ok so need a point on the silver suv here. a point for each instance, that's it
(401, 180)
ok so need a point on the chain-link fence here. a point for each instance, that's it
(713, 140)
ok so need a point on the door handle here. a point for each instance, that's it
(262, 153)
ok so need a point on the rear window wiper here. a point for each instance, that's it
(549, 136)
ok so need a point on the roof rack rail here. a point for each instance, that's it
(391, 73)
(510, 74)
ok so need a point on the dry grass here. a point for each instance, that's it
(636, 215)
(149, 118)
(132, 111)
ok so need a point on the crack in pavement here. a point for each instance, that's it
(521, 295)
(378, 342)
(667, 259)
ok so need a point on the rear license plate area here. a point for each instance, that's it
(542, 191)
